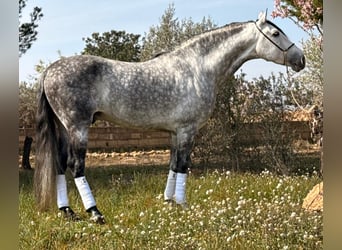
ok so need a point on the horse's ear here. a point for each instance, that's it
(262, 18)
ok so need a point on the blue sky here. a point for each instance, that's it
(65, 23)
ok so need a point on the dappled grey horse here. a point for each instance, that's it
(174, 92)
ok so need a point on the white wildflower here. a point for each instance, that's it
(209, 191)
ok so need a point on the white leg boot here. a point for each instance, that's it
(62, 198)
(62, 193)
(85, 192)
(180, 189)
(170, 186)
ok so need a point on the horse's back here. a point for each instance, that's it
(75, 70)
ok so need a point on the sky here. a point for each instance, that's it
(65, 23)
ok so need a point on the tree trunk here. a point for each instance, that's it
(321, 151)
(25, 164)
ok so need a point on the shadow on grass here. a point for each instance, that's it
(101, 176)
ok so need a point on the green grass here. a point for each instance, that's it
(226, 211)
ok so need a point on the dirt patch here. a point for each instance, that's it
(152, 157)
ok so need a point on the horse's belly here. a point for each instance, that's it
(134, 119)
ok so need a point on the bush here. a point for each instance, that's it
(27, 105)
(262, 106)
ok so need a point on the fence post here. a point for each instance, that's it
(25, 163)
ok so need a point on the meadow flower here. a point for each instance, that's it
(209, 191)
(241, 202)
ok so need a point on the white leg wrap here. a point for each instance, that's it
(180, 188)
(62, 193)
(85, 192)
(170, 186)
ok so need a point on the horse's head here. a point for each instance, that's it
(273, 45)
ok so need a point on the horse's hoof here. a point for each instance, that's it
(184, 206)
(69, 214)
(173, 203)
(96, 216)
(170, 202)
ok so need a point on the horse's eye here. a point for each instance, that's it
(275, 33)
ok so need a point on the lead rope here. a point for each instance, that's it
(291, 84)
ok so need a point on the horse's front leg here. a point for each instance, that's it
(169, 192)
(180, 161)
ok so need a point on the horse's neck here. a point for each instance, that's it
(223, 51)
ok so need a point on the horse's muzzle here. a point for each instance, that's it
(299, 64)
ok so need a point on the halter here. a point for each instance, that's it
(285, 54)
(280, 48)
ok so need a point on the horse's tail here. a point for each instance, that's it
(47, 156)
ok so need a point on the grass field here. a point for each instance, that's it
(226, 211)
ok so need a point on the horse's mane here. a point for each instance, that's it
(195, 37)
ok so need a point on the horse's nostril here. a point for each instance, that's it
(303, 60)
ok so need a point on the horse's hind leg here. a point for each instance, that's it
(76, 162)
(62, 191)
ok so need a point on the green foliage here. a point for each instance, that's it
(310, 80)
(171, 32)
(248, 126)
(226, 211)
(28, 98)
(117, 45)
(27, 105)
(308, 15)
(28, 31)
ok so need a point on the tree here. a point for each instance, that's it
(171, 32)
(27, 112)
(307, 86)
(117, 45)
(28, 31)
(308, 14)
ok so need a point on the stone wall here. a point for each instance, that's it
(116, 138)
